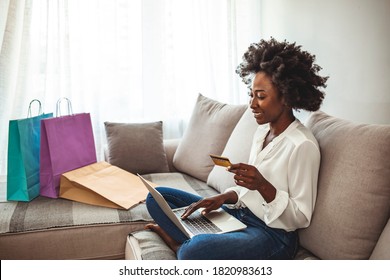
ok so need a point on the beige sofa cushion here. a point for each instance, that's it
(208, 130)
(237, 149)
(353, 202)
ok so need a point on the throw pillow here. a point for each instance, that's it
(353, 199)
(237, 150)
(208, 130)
(137, 147)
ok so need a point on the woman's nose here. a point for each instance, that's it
(252, 103)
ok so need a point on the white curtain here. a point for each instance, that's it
(121, 60)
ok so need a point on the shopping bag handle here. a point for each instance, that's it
(29, 108)
(58, 109)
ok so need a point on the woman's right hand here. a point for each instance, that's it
(210, 203)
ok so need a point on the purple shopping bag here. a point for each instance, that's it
(67, 143)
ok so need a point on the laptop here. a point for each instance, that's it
(217, 221)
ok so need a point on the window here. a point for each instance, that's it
(122, 61)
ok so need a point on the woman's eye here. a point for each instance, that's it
(259, 96)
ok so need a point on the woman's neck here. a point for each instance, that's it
(281, 125)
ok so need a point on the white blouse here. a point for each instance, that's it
(290, 163)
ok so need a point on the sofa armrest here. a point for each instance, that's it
(170, 146)
(382, 248)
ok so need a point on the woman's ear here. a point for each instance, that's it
(285, 104)
(283, 100)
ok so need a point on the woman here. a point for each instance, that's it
(276, 192)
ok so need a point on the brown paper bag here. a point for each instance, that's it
(103, 184)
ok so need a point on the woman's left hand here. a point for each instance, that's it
(248, 176)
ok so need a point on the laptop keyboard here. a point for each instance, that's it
(197, 223)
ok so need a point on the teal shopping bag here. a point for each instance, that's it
(23, 156)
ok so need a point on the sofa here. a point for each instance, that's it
(350, 220)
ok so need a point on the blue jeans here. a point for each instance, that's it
(257, 241)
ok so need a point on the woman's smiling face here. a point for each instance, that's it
(266, 103)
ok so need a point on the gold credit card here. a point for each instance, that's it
(221, 161)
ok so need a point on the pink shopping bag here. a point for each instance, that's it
(67, 143)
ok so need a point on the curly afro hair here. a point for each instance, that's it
(291, 69)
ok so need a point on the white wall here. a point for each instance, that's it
(351, 41)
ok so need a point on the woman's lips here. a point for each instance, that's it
(257, 115)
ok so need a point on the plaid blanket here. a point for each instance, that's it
(45, 213)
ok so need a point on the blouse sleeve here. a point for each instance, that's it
(240, 191)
